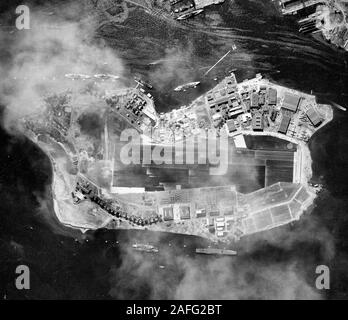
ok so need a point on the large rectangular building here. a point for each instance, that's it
(168, 214)
(231, 125)
(257, 122)
(235, 113)
(284, 125)
(272, 96)
(185, 212)
(291, 102)
(314, 117)
(254, 99)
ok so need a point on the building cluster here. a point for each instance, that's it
(336, 34)
(330, 19)
(289, 107)
(175, 125)
(61, 119)
(298, 116)
(325, 16)
(56, 120)
(59, 112)
(133, 107)
(260, 106)
(215, 206)
(225, 102)
(242, 108)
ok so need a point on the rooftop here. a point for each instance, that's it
(291, 102)
(314, 117)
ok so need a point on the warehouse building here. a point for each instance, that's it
(168, 214)
(257, 122)
(235, 113)
(214, 213)
(314, 117)
(231, 125)
(272, 96)
(254, 100)
(261, 99)
(291, 102)
(201, 213)
(274, 115)
(284, 125)
(184, 212)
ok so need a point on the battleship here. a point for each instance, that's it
(103, 76)
(187, 86)
(216, 251)
(77, 76)
(145, 247)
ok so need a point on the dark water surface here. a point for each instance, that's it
(66, 264)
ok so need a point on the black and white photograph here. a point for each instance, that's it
(185, 152)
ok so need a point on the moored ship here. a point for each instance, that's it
(216, 251)
(145, 247)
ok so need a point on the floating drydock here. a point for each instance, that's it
(216, 251)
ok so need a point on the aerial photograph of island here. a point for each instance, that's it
(173, 150)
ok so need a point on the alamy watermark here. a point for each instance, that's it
(323, 280)
(22, 281)
(23, 19)
(204, 148)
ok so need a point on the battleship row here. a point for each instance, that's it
(266, 183)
